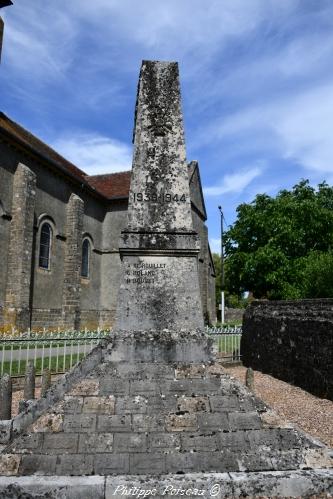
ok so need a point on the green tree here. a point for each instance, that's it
(317, 275)
(273, 244)
(232, 300)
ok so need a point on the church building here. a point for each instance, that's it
(59, 236)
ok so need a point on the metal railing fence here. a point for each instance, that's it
(228, 340)
(57, 351)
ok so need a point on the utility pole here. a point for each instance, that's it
(222, 268)
(3, 3)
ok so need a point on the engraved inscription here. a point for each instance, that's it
(142, 272)
(161, 198)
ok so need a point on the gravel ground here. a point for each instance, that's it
(312, 414)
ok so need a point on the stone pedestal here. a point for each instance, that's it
(159, 248)
(159, 286)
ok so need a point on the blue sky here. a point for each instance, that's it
(256, 76)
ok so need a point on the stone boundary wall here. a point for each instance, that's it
(233, 314)
(293, 341)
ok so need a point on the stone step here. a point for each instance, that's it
(157, 418)
(139, 461)
(139, 440)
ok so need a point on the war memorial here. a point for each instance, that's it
(149, 413)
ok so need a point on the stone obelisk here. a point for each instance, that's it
(159, 285)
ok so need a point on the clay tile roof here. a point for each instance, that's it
(111, 184)
(19, 132)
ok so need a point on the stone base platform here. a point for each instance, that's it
(305, 484)
(157, 405)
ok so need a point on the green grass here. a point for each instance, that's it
(227, 344)
(64, 364)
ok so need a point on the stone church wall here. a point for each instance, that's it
(115, 221)
(59, 297)
(293, 341)
(6, 182)
(206, 277)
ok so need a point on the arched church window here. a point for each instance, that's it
(85, 258)
(45, 246)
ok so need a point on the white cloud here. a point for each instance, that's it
(297, 126)
(234, 182)
(94, 154)
(45, 34)
(305, 128)
(39, 41)
(178, 24)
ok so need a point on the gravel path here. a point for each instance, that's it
(312, 414)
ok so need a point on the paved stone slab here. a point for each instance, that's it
(75, 464)
(130, 442)
(194, 386)
(9, 464)
(161, 404)
(98, 442)
(38, 463)
(53, 487)
(244, 421)
(114, 386)
(147, 463)
(49, 423)
(28, 442)
(134, 404)
(145, 387)
(190, 371)
(164, 441)
(145, 423)
(192, 404)
(181, 422)
(225, 403)
(60, 443)
(73, 405)
(98, 405)
(200, 442)
(111, 464)
(79, 422)
(111, 424)
(200, 461)
(237, 441)
(213, 422)
(85, 387)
